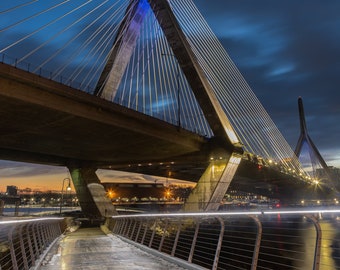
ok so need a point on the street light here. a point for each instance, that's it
(62, 192)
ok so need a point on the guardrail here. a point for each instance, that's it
(29, 67)
(23, 241)
(240, 240)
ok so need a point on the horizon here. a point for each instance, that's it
(55, 180)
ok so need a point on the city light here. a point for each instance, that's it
(110, 194)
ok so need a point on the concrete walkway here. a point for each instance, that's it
(90, 248)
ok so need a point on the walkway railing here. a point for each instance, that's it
(29, 67)
(244, 240)
(23, 241)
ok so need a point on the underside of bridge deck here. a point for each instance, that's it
(44, 122)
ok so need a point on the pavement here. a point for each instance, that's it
(90, 248)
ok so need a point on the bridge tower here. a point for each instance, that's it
(214, 183)
(304, 138)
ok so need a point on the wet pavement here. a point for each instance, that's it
(90, 248)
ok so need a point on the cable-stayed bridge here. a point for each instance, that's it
(141, 86)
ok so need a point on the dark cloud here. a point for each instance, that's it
(285, 50)
(9, 169)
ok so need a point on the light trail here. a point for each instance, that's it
(219, 214)
(27, 220)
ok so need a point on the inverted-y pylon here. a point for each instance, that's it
(305, 138)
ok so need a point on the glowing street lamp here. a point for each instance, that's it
(110, 194)
(62, 192)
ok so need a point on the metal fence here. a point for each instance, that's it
(245, 240)
(29, 67)
(23, 241)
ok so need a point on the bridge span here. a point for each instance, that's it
(266, 239)
(49, 123)
(44, 121)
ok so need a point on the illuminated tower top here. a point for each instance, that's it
(304, 138)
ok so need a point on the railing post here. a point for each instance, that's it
(173, 251)
(11, 247)
(316, 264)
(163, 236)
(193, 245)
(153, 234)
(30, 237)
(145, 231)
(40, 237)
(257, 242)
(133, 228)
(130, 230)
(37, 240)
(22, 246)
(122, 224)
(56, 229)
(115, 226)
(44, 235)
(139, 228)
(127, 227)
(49, 232)
(219, 244)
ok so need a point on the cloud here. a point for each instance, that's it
(10, 169)
(285, 50)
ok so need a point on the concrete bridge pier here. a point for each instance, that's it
(91, 194)
(213, 184)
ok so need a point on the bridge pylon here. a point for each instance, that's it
(213, 184)
(306, 139)
(91, 194)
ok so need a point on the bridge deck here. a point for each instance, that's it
(90, 248)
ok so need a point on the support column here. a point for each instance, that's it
(91, 194)
(313, 150)
(213, 184)
(122, 51)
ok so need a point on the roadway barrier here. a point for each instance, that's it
(23, 241)
(240, 240)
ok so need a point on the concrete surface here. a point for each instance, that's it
(90, 248)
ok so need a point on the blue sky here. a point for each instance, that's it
(284, 49)
(287, 49)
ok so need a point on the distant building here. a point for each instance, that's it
(134, 191)
(12, 191)
(11, 195)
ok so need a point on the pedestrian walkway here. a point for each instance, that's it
(90, 248)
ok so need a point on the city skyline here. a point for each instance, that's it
(44, 177)
(284, 50)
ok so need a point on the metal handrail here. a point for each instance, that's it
(240, 240)
(23, 241)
